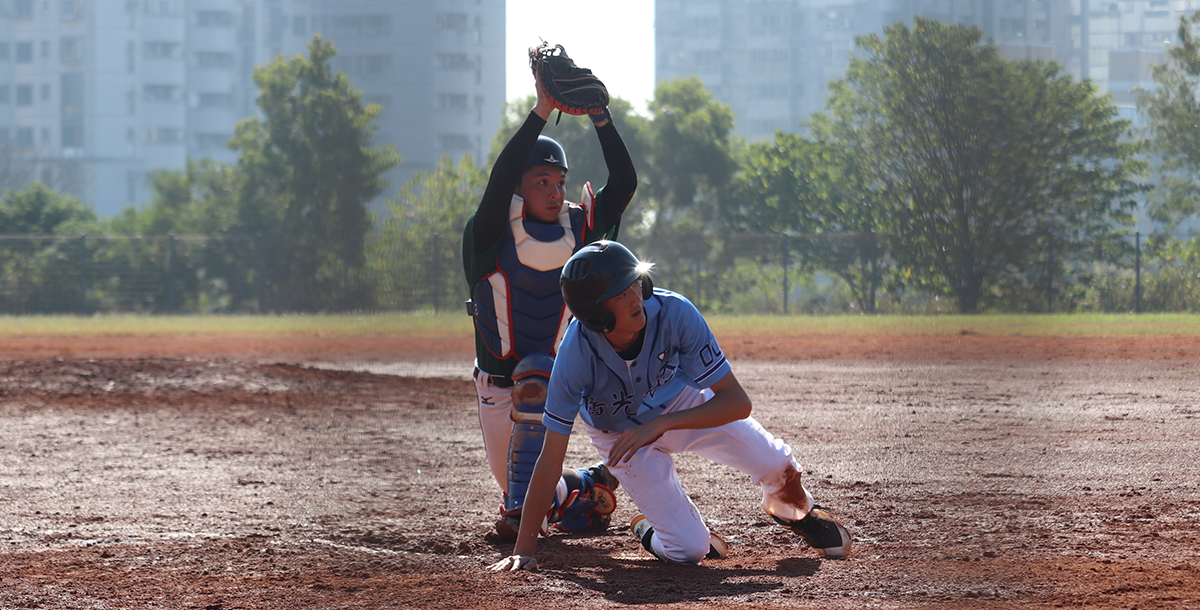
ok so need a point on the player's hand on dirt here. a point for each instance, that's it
(633, 439)
(514, 563)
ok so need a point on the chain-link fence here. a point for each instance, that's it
(770, 273)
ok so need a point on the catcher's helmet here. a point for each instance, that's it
(548, 152)
(596, 273)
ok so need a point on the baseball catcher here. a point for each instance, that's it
(514, 247)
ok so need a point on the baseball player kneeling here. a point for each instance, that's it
(642, 369)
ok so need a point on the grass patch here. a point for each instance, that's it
(458, 325)
(330, 325)
(1001, 324)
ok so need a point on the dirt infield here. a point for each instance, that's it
(973, 472)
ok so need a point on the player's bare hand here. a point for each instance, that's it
(514, 563)
(633, 439)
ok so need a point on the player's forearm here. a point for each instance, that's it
(540, 494)
(721, 409)
(622, 176)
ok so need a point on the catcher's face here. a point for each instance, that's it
(544, 189)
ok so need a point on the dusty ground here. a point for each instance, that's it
(974, 472)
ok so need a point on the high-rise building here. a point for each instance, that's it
(772, 60)
(96, 94)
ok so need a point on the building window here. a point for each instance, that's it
(162, 8)
(131, 100)
(214, 19)
(72, 10)
(212, 140)
(4, 98)
(130, 56)
(453, 142)
(46, 136)
(214, 60)
(162, 50)
(24, 52)
(299, 25)
(162, 135)
(451, 21)
(22, 9)
(25, 137)
(72, 51)
(452, 101)
(453, 61)
(45, 49)
(215, 100)
(24, 95)
(45, 93)
(4, 51)
(160, 93)
(371, 26)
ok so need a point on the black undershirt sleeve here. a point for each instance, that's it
(492, 215)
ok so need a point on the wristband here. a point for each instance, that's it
(601, 117)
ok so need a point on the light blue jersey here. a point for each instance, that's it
(613, 394)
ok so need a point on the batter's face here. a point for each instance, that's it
(544, 189)
(629, 310)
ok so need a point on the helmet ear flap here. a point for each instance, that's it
(603, 322)
(647, 287)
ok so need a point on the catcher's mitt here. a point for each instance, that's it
(572, 89)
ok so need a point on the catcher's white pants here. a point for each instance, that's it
(495, 419)
(651, 481)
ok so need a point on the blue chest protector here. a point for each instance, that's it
(519, 308)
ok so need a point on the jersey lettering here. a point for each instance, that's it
(665, 374)
(623, 401)
(706, 356)
(594, 408)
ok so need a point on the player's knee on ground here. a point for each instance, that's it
(678, 547)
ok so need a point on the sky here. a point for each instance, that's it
(613, 38)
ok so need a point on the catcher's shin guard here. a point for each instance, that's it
(529, 402)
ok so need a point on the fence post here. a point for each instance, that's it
(1049, 274)
(784, 243)
(436, 268)
(83, 279)
(1137, 277)
(260, 285)
(172, 299)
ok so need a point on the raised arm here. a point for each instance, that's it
(622, 177)
(492, 214)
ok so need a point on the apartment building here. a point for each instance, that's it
(772, 60)
(96, 94)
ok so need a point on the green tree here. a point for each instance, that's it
(812, 194)
(415, 256)
(39, 211)
(305, 176)
(197, 200)
(1172, 110)
(984, 164)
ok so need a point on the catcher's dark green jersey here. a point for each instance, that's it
(500, 278)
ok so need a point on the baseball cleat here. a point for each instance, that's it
(822, 532)
(507, 528)
(717, 548)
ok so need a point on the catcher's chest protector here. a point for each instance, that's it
(520, 309)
